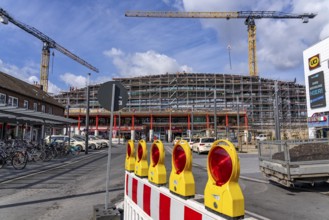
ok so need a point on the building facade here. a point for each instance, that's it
(316, 68)
(23, 108)
(190, 104)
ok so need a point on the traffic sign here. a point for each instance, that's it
(105, 95)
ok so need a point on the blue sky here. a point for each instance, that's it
(98, 32)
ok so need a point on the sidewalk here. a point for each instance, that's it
(8, 172)
(249, 148)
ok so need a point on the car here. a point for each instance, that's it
(74, 141)
(92, 144)
(100, 141)
(176, 140)
(190, 141)
(261, 137)
(202, 145)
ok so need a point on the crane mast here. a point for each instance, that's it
(47, 44)
(249, 17)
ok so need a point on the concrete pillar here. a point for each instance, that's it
(151, 135)
(17, 131)
(96, 132)
(189, 133)
(207, 133)
(245, 136)
(312, 133)
(169, 135)
(31, 133)
(132, 135)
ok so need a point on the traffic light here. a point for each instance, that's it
(130, 156)
(157, 173)
(223, 193)
(141, 165)
(181, 181)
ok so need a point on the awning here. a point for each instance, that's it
(10, 114)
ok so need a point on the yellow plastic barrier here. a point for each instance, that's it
(223, 193)
(141, 165)
(181, 181)
(157, 173)
(130, 156)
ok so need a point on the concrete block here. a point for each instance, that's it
(112, 213)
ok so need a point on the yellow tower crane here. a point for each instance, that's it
(250, 17)
(47, 44)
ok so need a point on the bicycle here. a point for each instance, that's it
(73, 150)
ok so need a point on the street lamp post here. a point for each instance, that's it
(215, 113)
(87, 116)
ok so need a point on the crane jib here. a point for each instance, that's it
(249, 17)
(50, 43)
(227, 15)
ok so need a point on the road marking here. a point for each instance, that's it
(254, 179)
(256, 215)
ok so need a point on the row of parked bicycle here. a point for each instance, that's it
(18, 153)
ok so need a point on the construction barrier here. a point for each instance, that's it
(146, 196)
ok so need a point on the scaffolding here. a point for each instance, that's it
(195, 92)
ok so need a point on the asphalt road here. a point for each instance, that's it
(68, 189)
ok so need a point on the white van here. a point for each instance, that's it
(261, 137)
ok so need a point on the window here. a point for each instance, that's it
(26, 104)
(43, 108)
(12, 101)
(2, 98)
(35, 107)
(50, 110)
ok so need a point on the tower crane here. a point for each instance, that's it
(249, 17)
(48, 43)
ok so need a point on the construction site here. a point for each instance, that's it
(190, 104)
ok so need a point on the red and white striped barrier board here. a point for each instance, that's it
(144, 200)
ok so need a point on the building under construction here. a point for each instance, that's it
(190, 104)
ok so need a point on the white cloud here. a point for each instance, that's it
(28, 73)
(280, 43)
(73, 80)
(148, 63)
(30, 69)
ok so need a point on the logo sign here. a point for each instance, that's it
(314, 62)
(317, 90)
(105, 94)
(318, 121)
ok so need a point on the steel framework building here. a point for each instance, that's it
(230, 101)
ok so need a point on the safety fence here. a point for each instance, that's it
(146, 194)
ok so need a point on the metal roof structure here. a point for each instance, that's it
(21, 115)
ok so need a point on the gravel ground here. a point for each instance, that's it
(306, 152)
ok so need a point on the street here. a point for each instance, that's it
(69, 189)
